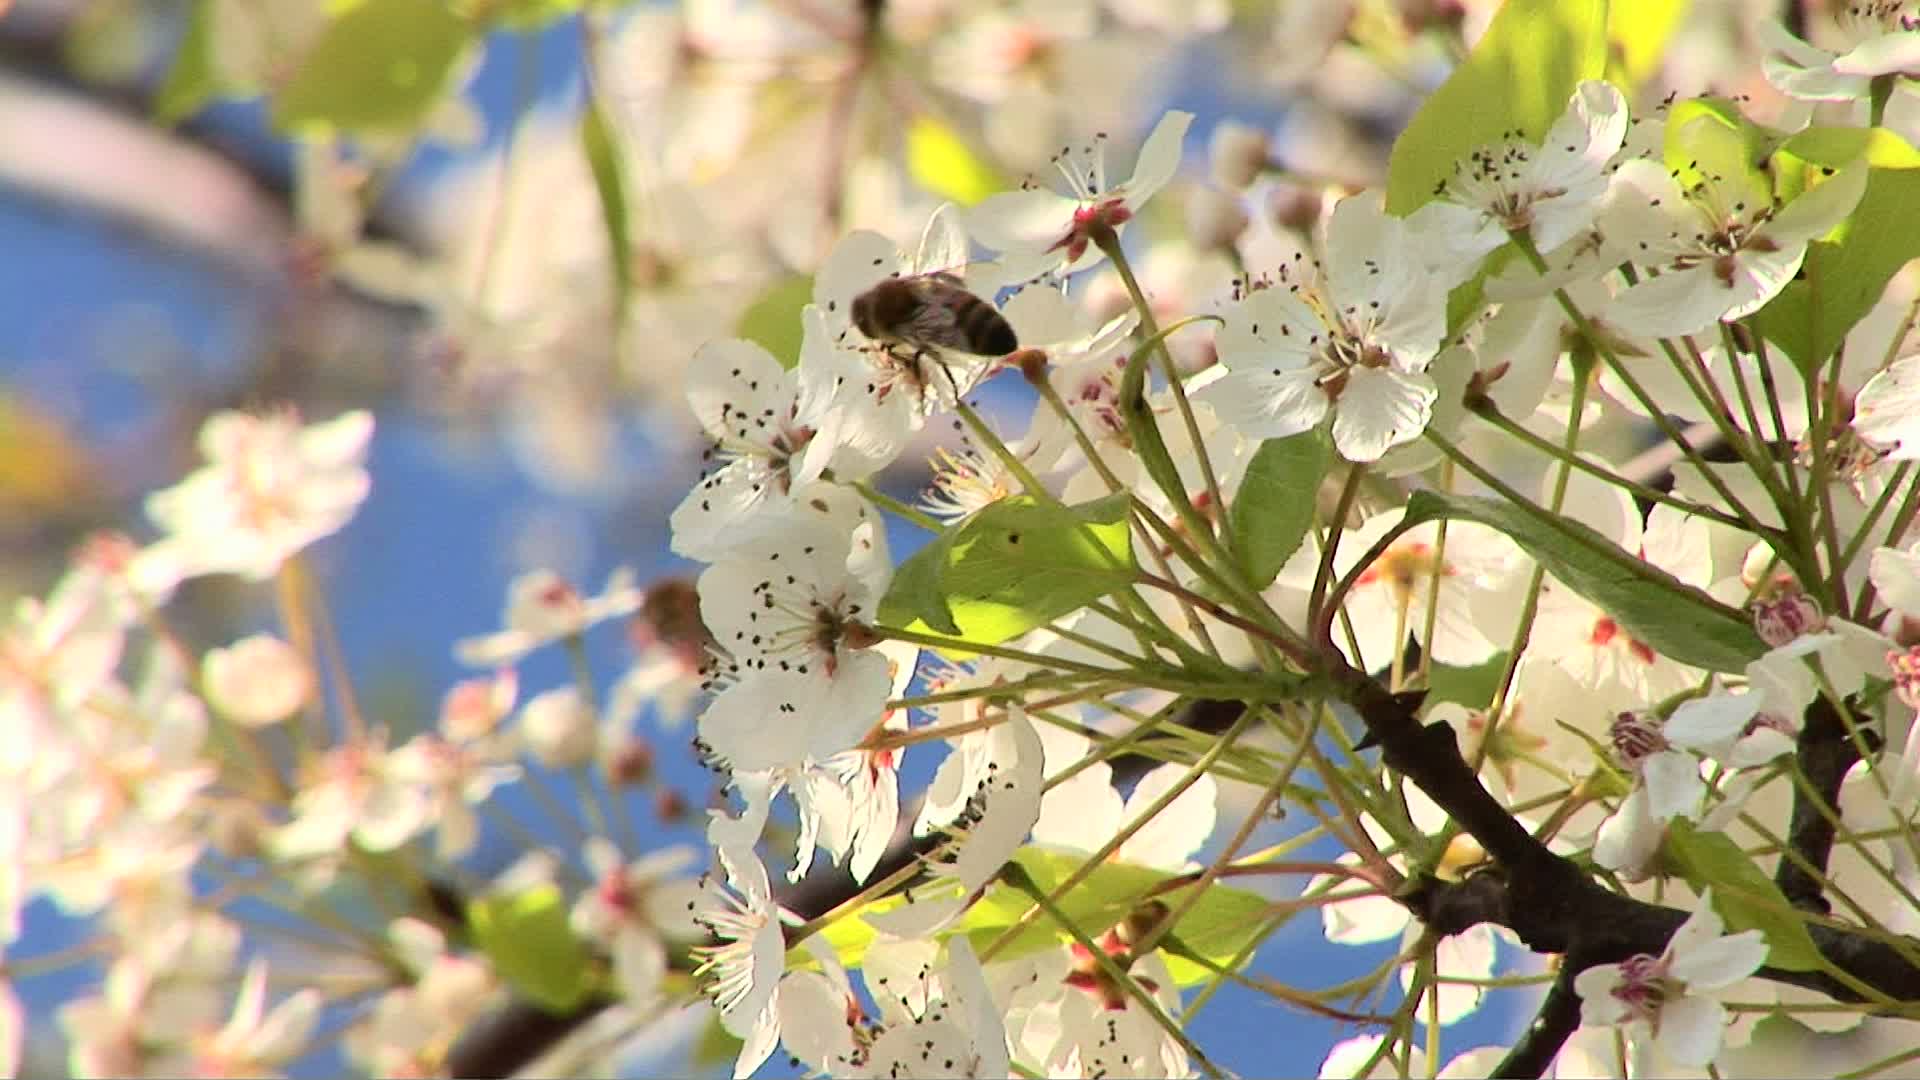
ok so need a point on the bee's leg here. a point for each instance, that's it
(953, 384)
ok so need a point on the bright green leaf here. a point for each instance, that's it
(1640, 31)
(1469, 686)
(717, 1046)
(193, 80)
(1844, 276)
(1712, 138)
(1519, 76)
(520, 14)
(532, 945)
(1744, 896)
(1674, 618)
(1274, 507)
(773, 319)
(1838, 147)
(1014, 565)
(939, 162)
(609, 180)
(916, 598)
(379, 66)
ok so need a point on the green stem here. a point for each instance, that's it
(1490, 412)
(889, 503)
(1109, 242)
(1530, 608)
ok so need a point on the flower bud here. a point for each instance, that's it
(1786, 616)
(559, 729)
(670, 806)
(1237, 153)
(1215, 219)
(256, 681)
(631, 764)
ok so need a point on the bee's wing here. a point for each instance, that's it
(944, 243)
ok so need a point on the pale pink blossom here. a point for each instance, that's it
(270, 488)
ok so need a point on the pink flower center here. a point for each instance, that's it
(1644, 986)
(1635, 739)
(1087, 221)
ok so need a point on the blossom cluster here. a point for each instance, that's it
(1603, 280)
(1397, 451)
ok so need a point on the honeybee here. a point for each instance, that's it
(926, 314)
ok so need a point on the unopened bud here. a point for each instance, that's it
(1788, 615)
(1296, 208)
(1237, 154)
(1215, 219)
(669, 806)
(559, 729)
(630, 765)
(1032, 364)
(257, 680)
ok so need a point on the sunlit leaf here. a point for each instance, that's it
(1669, 616)
(773, 319)
(527, 937)
(939, 162)
(1743, 895)
(1274, 506)
(193, 80)
(379, 66)
(1016, 564)
(1845, 274)
(1519, 77)
(1221, 923)
(610, 183)
(1640, 31)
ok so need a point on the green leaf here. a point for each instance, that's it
(1838, 147)
(379, 66)
(773, 319)
(521, 14)
(1845, 274)
(1014, 565)
(1711, 138)
(193, 80)
(1519, 77)
(939, 162)
(1274, 509)
(1744, 896)
(532, 945)
(1674, 618)
(1639, 31)
(717, 1046)
(1469, 686)
(609, 180)
(1220, 924)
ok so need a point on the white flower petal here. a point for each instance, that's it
(1265, 404)
(1379, 410)
(1720, 962)
(1886, 412)
(1704, 722)
(1023, 222)
(1690, 1030)
(1159, 158)
(1177, 831)
(1677, 302)
(1595, 987)
(860, 259)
